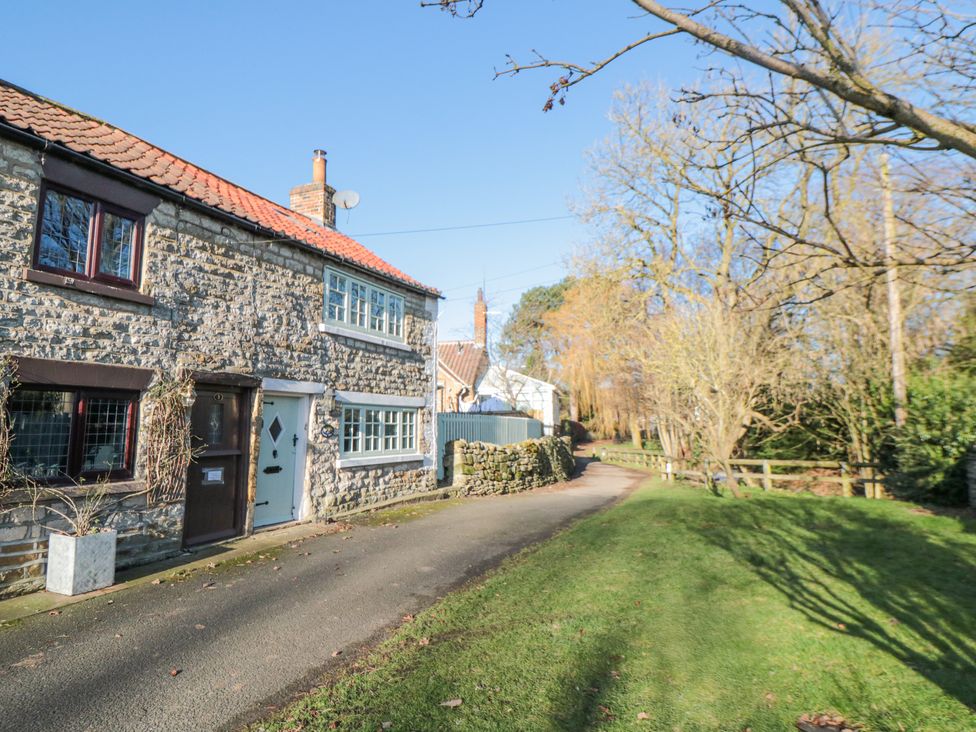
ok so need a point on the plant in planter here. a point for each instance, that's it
(82, 558)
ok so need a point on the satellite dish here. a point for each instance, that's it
(346, 199)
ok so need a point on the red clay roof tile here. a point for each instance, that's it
(109, 144)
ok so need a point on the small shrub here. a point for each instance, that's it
(931, 450)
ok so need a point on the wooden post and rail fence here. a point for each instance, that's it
(853, 478)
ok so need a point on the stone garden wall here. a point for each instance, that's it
(479, 468)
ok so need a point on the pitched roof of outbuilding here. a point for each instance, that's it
(106, 143)
(465, 360)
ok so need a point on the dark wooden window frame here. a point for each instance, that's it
(76, 434)
(94, 252)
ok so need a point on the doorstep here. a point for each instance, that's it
(189, 560)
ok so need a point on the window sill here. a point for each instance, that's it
(338, 330)
(116, 488)
(95, 288)
(359, 462)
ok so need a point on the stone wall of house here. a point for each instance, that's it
(479, 468)
(360, 366)
(147, 531)
(226, 300)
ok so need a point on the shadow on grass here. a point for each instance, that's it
(869, 574)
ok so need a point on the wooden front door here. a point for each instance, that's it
(215, 480)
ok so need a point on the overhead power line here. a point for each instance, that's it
(459, 228)
(502, 277)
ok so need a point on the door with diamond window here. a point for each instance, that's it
(281, 433)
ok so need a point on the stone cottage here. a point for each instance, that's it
(312, 360)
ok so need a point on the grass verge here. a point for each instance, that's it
(401, 514)
(678, 610)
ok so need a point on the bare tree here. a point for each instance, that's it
(821, 43)
(825, 77)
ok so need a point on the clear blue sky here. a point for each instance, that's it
(402, 98)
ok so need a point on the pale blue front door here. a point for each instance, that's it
(281, 433)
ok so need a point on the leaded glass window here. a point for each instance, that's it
(87, 239)
(59, 435)
(65, 229)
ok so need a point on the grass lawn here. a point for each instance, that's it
(678, 610)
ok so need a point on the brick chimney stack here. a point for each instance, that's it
(315, 199)
(481, 320)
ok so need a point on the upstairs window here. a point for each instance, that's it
(377, 311)
(357, 311)
(363, 307)
(337, 297)
(88, 239)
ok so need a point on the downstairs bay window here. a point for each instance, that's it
(63, 435)
(378, 431)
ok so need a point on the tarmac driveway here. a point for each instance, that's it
(218, 649)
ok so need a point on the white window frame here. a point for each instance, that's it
(340, 303)
(365, 308)
(363, 431)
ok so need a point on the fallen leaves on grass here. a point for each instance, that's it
(825, 723)
(641, 716)
(452, 703)
(424, 642)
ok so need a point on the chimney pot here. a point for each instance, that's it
(318, 166)
(315, 199)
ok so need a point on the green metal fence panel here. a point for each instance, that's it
(489, 428)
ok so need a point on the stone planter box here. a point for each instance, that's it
(79, 564)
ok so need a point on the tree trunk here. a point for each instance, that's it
(635, 433)
(730, 481)
(895, 335)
